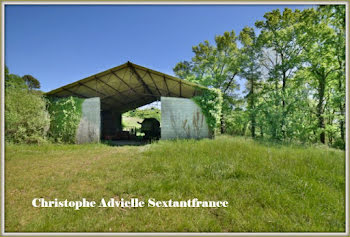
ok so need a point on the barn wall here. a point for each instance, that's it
(89, 126)
(182, 118)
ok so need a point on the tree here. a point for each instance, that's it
(336, 15)
(215, 66)
(294, 71)
(13, 80)
(7, 72)
(282, 58)
(31, 82)
(321, 61)
(250, 70)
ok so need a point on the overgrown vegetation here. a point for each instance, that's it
(294, 70)
(31, 118)
(65, 117)
(210, 102)
(26, 119)
(270, 188)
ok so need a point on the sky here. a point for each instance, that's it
(60, 44)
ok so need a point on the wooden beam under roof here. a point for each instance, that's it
(74, 93)
(123, 66)
(122, 80)
(139, 78)
(125, 91)
(82, 84)
(150, 75)
(167, 88)
(112, 88)
(104, 95)
(121, 97)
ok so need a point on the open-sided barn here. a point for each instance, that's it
(110, 93)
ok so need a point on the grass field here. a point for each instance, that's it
(132, 121)
(268, 187)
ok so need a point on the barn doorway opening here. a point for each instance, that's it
(135, 127)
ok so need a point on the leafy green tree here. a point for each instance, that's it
(7, 72)
(250, 70)
(281, 60)
(13, 80)
(294, 71)
(336, 15)
(215, 66)
(237, 122)
(321, 61)
(31, 82)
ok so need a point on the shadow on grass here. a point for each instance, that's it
(125, 142)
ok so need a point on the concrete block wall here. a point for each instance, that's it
(182, 118)
(89, 126)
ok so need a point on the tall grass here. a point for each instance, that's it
(269, 188)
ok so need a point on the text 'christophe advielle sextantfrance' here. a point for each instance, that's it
(131, 203)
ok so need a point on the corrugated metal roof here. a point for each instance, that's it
(127, 87)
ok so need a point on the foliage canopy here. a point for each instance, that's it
(294, 73)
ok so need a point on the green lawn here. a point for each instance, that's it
(268, 187)
(132, 121)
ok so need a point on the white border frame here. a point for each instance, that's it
(3, 233)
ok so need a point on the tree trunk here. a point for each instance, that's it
(331, 134)
(284, 84)
(253, 126)
(251, 106)
(341, 124)
(342, 112)
(320, 107)
(340, 88)
(222, 124)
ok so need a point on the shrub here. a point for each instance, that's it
(65, 116)
(236, 122)
(210, 102)
(26, 117)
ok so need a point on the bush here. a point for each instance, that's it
(236, 122)
(65, 116)
(26, 118)
(210, 102)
